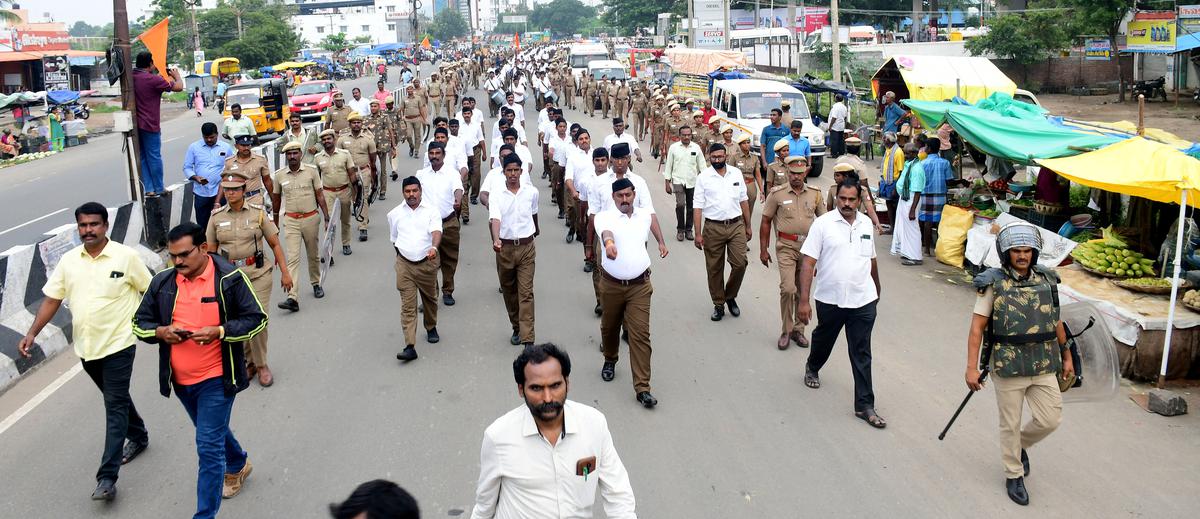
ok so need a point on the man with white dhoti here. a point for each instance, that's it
(906, 236)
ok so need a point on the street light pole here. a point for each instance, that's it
(121, 43)
(837, 48)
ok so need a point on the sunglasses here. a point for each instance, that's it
(182, 255)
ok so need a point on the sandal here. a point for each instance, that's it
(871, 418)
(811, 380)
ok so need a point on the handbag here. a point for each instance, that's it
(887, 190)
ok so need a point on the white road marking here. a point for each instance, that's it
(35, 220)
(40, 397)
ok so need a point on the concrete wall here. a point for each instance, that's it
(1063, 74)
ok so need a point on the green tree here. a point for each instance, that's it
(448, 24)
(1104, 17)
(362, 38)
(1026, 38)
(335, 43)
(562, 16)
(268, 40)
(630, 15)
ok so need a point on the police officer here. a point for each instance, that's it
(637, 110)
(721, 212)
(435, 94)
(237, 231)
(379, 123)
(337, 115)
(589, 95)
(620, 96)
(361, 145)
(512, 215)
(338, 176)
(776, 174)
(1020, 303)
(750, 165)
(791, 209)
(300, 191)
(416, 232)
(412, 111)
(250, 165)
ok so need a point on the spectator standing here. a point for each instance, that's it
(771, 133)
(148, 88)
(102, 280)
(236, 125)
(838, 113)
(798, 145)
(933, 198)
(202, 165)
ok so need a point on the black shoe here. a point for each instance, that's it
(1016, 491)
(733, 308)
(432, 336)
(466, 219)
(718, 313)
(382, 196)
(570, 236)
(589, 266)
(395, 176)
(598, 310)
(474, 201)
(346, 250)
(515, 339)
(290, 304)
(1025, 461)
(647, 400)
(689, 235)
(318, 292)
(409, 354)
(447, 299)
(362, 235)
(106, 490)
(625, 336)
(608, 371)
(561, 215)
(131, 450)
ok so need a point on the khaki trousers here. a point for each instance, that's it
(437, 106)
(721, 240)
(364, 175)
(627, 306)
(448, 252)
(306, 231)
(619, 107)
(344, 212)
(413, 130)
(1045, 409)
(256, 347)
(385, 169)
(514, 267)
(787, 256)
(639, 121)
(569, 96)
(413, 279)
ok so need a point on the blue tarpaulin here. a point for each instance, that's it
(955, 18)
(60, 97)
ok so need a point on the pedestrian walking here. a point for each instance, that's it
(361, 145)
(198, 102)
(684, 161)
(202, 165)
(300, 191)
(838, 115)
(148, 88)
(550, 456)
(102, 281)
(721, 201)
(846, 290)
(791, 211)
(512, 213)
(442, 187)
(339, 176)
(200, 312)
(1017, 315)
(416, 233)
(377, 499)
(237, 232)
(379, 123)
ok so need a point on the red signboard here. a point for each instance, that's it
(32, 41)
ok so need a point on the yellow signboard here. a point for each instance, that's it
(1151, 35)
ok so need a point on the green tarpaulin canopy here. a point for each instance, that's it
(20, 98)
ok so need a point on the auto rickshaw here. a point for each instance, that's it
(264, 101)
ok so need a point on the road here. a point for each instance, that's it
(736, 434)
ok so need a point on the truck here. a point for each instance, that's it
(580, 54)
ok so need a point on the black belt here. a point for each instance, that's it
(519, 241)
(401, 256)
(252, 193)
(637, 280)
(726, 222)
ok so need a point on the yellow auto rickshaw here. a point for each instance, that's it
(264, 101)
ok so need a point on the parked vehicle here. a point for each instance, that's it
(1151, 88)
(747, 104)
(607, 68)
(264, 101)
(580, 54)
(311, 98)
(68, 101)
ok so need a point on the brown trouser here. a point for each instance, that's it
(364, 175)
(619, 107)
(514, 267)
(448, 252)
(256, 347)
(295, 232)
(572, 209)
(598, 251)
(627, 306)
(343, 213)
(474, 174)
(721, 240)
(639, 121)
(1045, 409)
(569, 96)
(557, 185)
(437, 106)
(787, 256)
(413, 132)
(414, 279)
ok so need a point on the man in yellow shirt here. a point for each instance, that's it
(103, 281)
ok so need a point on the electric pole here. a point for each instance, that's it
(121, 44)
(195, 29)
(837, 48)
(691, 24)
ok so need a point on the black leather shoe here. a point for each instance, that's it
(589, 266)
(733, 308)
(290, 304)
(131, 450)
(396, 176)
(106, 490)
(608, 371)
(466, 219)
(689, 235)
(1016, 491)
(382, 196)
(570, 236)
(515, 339)
(432, 336)
(318, 292)
(1025, 461)
(447, 299)
(409, 354)
(474, 201)
(561, 215)
(598, 310)
(647, 400)
(718, 313)
(346, 250)
(362, 235)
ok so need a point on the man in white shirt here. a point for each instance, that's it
(847, 291)
(723, 215)
(467, 145)
(584, 184)
(475, 143)
(476, 118)
(514, 223)
(359, 103)
(517, 99)
(838, 113)
(442, 188)
(619, 135)
(511, 102)
(559, 142)
(456, 157)
(509, 115)
(579, 167)
(491, 86)
(548, 457)
(416, 232)
(494, 180)
(509, 136)
(624, 288)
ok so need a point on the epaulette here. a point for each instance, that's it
(988, 278)
(253, 206)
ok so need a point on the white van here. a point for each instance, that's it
(747, 103)
(580, 54)
(607, 68)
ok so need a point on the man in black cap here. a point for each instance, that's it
(585, 184)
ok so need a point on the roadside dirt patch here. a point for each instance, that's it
(1178, 118)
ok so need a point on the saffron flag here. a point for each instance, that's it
(425, 43)
(517, 41)
(155, 40)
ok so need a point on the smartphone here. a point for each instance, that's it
(183, 334)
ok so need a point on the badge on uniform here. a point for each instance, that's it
(737, 183)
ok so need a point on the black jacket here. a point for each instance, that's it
(241, 314)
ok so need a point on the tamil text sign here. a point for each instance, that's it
(56, 72)
(1097, 49)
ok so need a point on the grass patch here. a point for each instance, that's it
(105, 109)
(176, 97)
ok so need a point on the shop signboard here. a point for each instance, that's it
(1189, 11)
(710, 24)
(56, 72)
(1151, 32)
(1097, 49)
(41, 41)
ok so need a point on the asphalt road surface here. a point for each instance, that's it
(736, 434)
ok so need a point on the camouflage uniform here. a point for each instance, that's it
(380, 125)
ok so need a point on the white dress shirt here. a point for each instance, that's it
(438, 187)
(522, 151)
(518, 125)
(585, 183)
(494, 180)
(455, 158)
(630, 236)
(518, 95)
(844, 252)
(579, 164)
(559, 146)
(720, 197)
(600, 195)
(522, 476)
(412, 229)
(839, 111)
(476, 117)
(514, 211)
(472, 131)
(625, 137)
(361, 105)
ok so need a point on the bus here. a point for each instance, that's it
(580, 54)
(754, 41)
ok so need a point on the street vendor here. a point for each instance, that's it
(1052, 188)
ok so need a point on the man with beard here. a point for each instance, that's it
(535, 462)
(416, 232)
(361, 145)
(442, 188)
(723, 216)
(300, 189)
(337, 116)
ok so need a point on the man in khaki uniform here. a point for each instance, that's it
(638, 112)
(436, 95)
(701, 133)
(568, 88)
(337, 115)
(361, 145)
(588, 88)
(380, 125)
(338, 175)
(300, 190)
(750, 164)
(620, 99)
(398, 129)
(298, 133)
(791, 209)
(252, 166)
(776, 174)
(657, 111)
(605, 91)
(671, 126)
(236, 231)
(412, 111)
(419, 93)
(416, 232)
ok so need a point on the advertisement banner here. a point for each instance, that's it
(710, 24)
(41, 41)
(1097, 49)
(56, 72)
(1189, 11)
(1151, 35)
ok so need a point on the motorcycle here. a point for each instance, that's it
(1151, 88)
(69, 101)
(80, 110)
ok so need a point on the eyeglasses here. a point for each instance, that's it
(182, 255)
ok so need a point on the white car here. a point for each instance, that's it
(747, 103)
(607, 68)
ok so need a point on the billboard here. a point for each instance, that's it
(515, 18)
(1151, 35)
(1097, 49)
(40, 41)
(56, 72)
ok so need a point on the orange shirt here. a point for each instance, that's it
(196, 307)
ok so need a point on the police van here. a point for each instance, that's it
(747, 104)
